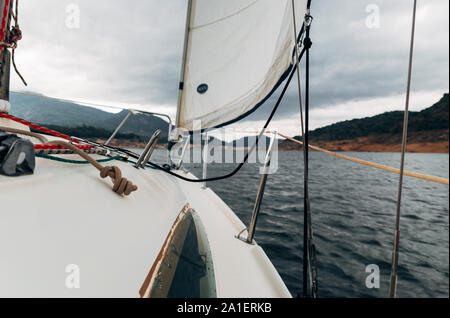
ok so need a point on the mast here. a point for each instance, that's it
(183, 65)
(5, 55)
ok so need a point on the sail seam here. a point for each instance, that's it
(226, 17)
(270, 74)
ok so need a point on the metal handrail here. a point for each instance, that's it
(262, 184)
(148, 151)
(134, 112)
(259, 196)
(130, 112)
(122, 123)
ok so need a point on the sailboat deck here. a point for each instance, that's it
(66, 214)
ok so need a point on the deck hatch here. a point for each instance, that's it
(184, 268)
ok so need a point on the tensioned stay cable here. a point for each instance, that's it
(307, 44)
(297, 61)
(310, 246)
(393, 282)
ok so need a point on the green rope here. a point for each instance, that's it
(81, 162)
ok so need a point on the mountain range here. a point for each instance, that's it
(428, 130)
(83, 121)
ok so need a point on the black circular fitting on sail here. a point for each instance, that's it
(202, 88)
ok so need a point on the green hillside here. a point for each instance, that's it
(83, 121)
(435, 117)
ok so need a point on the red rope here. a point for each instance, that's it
(3, 21)
(57, 147)
(48, 131)
(40, 128)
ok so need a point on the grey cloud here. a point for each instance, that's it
(126, 51)
(130, 52)
(352, 62)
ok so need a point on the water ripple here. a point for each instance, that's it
(353, 211)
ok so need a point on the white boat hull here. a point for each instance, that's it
(65, 220)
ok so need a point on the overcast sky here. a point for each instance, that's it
(128, 53)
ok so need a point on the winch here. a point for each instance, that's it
(16, 155)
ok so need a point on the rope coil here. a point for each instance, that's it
(120, 185)
(15, 35)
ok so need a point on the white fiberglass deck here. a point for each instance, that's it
(65, 214)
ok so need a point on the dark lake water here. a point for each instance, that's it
(353, 214)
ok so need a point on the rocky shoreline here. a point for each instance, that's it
(436, 141)
(355, 146)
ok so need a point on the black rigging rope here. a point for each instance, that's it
(306, 219)
(305, 177)
(236, 170)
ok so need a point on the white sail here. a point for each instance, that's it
(236, 53)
